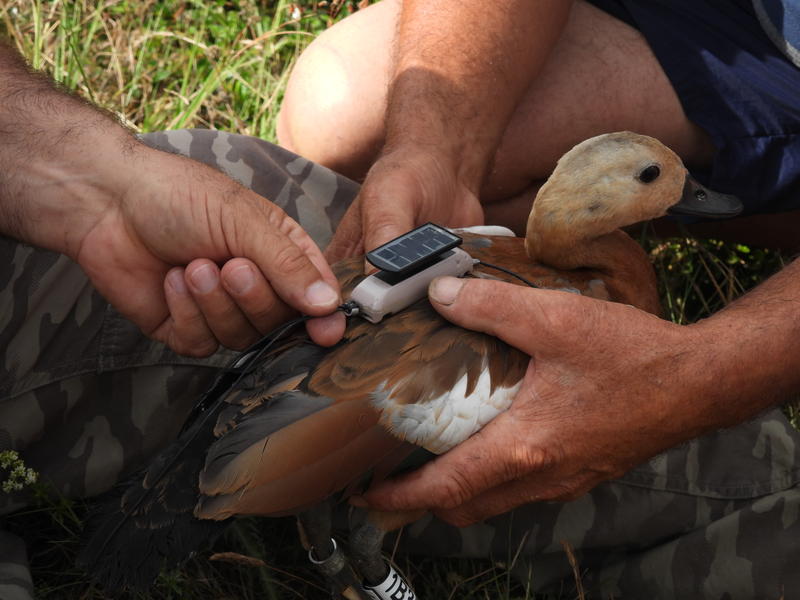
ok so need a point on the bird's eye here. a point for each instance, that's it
(649, 174)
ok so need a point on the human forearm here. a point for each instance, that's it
(59, 159)
(460, 70)
(752, 352)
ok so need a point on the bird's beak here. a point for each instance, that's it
(699, 201)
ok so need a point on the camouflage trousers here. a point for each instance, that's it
(83, 399)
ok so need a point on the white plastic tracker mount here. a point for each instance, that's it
(408, 264)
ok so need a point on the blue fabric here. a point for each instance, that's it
(736, 84)
(781, 21)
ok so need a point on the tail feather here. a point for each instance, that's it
(133, 535)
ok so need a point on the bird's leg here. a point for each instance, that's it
(367, 531)
(315, 529)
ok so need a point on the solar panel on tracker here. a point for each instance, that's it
(414, 249)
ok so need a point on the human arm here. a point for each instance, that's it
(608, 387)
(460, 70)
(144, 224)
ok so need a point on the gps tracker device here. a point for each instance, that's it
(407, 266)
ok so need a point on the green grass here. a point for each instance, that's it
(697, 278)
(162, 64)
(169, 64)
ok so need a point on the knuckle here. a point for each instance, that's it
(383, 225)
(523, 460)
(239, 341)
(518, 463)
(207, 347)
(456, 489)
(277, 217)
(264, 312)
(547, 458)
(203, 350)
(194, 348)
(289, 259)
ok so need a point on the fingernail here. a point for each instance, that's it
(320, 293)
(240, 279)
(204, 279)
(444, 290)
(176, 281)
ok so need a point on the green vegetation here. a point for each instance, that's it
(16, 476)
(169, 64)
(163, 64)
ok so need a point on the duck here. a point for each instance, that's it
(307, 427)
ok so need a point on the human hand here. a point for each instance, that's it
(154, 250)
(150, 228)
(401, 191)
(608, 386)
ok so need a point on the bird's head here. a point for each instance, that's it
(613, 180)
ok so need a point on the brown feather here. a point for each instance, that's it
(416, 353)
(300, 465)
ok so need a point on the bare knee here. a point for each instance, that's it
(333, 110)
(601, 76)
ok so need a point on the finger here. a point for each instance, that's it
(385, 218)
(187, 332)
(253, 295)
(523, 317)
(347, 241)
(283, 254)
(222, 315)
(538, 487)
(495, 501)
(301, 239)
(327, 331)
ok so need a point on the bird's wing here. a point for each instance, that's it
(415, 379)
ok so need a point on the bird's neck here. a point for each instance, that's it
(615, 257)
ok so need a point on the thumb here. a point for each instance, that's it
(523, 317)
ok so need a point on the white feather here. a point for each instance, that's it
(497, 230)
(447, 420)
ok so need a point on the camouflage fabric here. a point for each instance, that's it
(70, 366)
(718, 517)
(83, 394)
(15, 580)
(83, 397)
